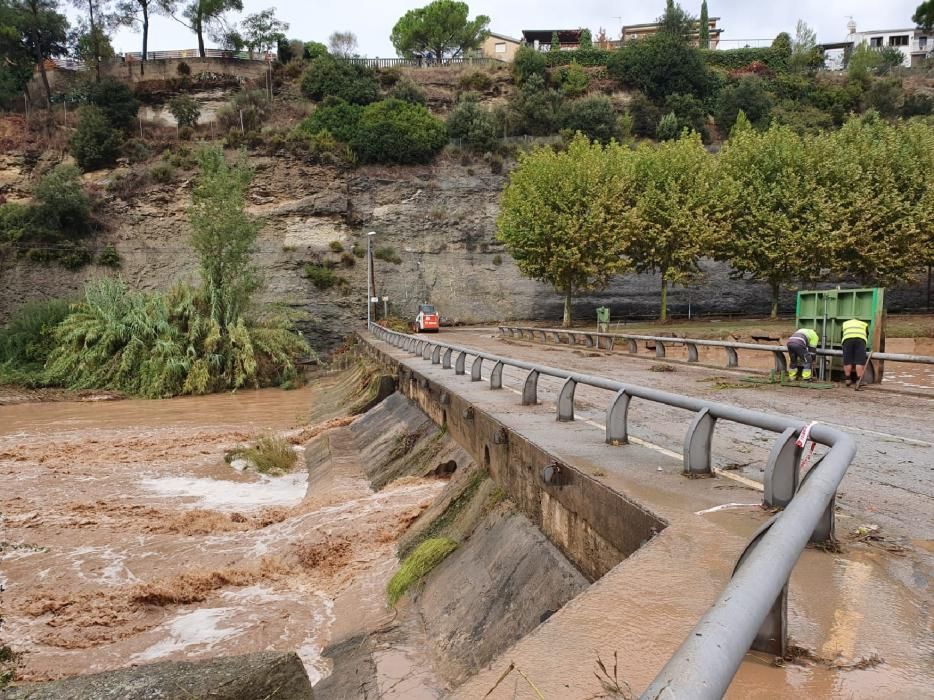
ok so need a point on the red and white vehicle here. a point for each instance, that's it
(427, 320)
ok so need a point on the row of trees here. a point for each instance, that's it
(779, 207)
(33, 31)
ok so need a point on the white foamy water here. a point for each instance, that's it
(222, 495)
(199, 628)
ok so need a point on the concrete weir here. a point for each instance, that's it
(659, 548)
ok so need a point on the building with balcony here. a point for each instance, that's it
(540, 39)
(632, 32)
(915, 44)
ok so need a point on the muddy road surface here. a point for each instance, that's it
(125, 537)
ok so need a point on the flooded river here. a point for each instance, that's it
(125, 537)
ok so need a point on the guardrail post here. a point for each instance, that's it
(436, 355)
(781, 363)
(475, 369)
(566, 401)
(530, 389)
(426, 351)
(496, 376)
(610, 342)
(772, 637)
(697, 443)
(781, 471)
(633, 346)
(446, 360)
(459, 363)
(824, 533)
(589, 340)
(659, 349)
(869, 374)
(617, 414)
(692, 353)
(732, 357)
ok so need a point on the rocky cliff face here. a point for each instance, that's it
(439, 220)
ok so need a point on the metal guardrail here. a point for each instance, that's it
(607, 341)
(751, 611)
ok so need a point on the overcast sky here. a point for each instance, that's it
(372, 20)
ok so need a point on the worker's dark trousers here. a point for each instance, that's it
(798, 356)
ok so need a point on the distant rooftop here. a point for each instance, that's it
(543, 36)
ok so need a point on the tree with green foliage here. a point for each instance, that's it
(44, 33)
(17, 67)
(262, 31)
(62, 204)
(314, 49)
(534, 108)
(668, 128)
(805, 53)
(782, 44)
(185, 109)
(326, 76)
(670, 222)
(555, 42)
(774, 226)
(748, 95)
(137, 13)
(528, 62)
(690, 112)
(676, 23)
(704, 29)
(573, 80)
(659, 66)
(208, 16)
(93, 41)
(592, 116)
(28, 339)
(474, 125)
(336, 116)
(95, 143)
(342, 44)
(223, 235)
(890, 57)
(585, 42)
(864, 62)
(442, 27)
(396, 132)
(113, 98)
(562, 217)
(924, 15)
(886, 96)
(882, 211)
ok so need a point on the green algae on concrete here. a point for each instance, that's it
(417, 565)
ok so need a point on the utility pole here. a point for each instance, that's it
(369, 279)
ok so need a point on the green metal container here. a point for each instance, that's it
(825, 310)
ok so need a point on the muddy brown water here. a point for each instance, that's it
(126, 538)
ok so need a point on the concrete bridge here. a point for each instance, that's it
(658, 546)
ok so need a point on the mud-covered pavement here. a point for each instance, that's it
(125, 538)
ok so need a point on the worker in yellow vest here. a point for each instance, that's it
(855, 339)
(802, 347)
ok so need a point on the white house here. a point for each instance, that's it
(915, 44)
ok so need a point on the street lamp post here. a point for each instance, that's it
(369, 278)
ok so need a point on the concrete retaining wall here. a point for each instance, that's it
(594, 526)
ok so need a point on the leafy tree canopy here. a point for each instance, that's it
(924, 15)
(441, 27)
(262, 31)
(562, 217)
(661, 65)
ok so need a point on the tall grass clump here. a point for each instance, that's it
(28, 339)
(187, 340)
(418, 565)
(272, 454)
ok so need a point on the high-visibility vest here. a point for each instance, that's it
(854, 328)
(809, 336)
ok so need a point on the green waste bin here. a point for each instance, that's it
(603, 319)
